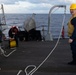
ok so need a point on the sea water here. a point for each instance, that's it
(41, 22)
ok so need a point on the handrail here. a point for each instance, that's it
(49, 16)
(49, 35)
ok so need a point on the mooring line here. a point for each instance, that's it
(36, 68)
(3, 52)
(19, 72)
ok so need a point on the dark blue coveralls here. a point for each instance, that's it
(73, 44)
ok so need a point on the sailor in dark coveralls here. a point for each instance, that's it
(72, 33)
(13, 33)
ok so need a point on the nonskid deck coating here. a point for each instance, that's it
(33, 53)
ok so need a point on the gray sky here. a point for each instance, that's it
(33, 6)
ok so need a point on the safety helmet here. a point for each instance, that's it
(73, 6)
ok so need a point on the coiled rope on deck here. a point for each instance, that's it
(3, 52)
(36, 68)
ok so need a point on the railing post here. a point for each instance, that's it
(63, 36)
(43, 38)
(49, 34)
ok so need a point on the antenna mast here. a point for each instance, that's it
(3, 18)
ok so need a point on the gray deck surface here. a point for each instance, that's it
(33, 53)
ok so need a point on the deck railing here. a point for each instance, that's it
(54, 30)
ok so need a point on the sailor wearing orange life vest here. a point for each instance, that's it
(72, 33)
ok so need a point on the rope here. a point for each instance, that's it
(3, 53)
(36, 68)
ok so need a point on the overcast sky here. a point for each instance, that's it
(33, 6)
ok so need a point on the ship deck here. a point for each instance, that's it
(33, 53)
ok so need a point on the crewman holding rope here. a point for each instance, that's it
(72, 33)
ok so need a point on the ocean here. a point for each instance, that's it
(41, 22)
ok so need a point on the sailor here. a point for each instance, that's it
(72, 33)
(13, 34)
